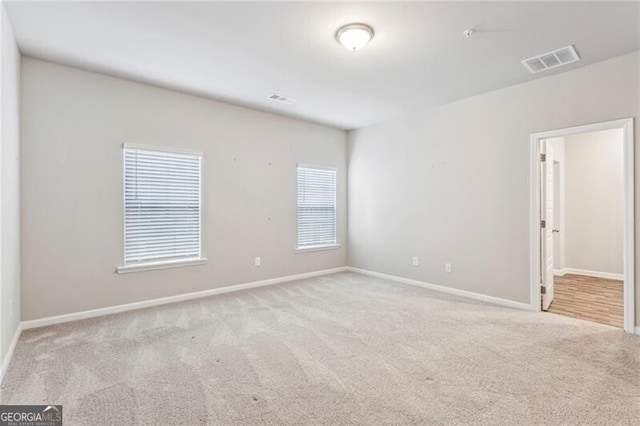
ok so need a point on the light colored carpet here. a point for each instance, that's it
(339, 349)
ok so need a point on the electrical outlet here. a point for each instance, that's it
(415, 261)
(257, 262)
(447, 267)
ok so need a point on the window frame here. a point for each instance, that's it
(319, 247)
(164, 263)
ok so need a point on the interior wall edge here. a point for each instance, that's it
(10, 251)
(9, 354)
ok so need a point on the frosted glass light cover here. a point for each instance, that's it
(354, 36)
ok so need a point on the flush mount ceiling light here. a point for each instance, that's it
(354, 36)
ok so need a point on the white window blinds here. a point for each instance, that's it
(161, 205)
(316, 206)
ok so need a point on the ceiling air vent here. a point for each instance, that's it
(550, 60)
(282, 99)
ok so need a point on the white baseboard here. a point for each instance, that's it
(12, 348)
(449, 290)
(42, 322)
(596, 274)
(638, 331)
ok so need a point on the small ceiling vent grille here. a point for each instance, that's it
(282, 99)
(550, 60)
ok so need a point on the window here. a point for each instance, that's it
(316, 207)
(161, 207)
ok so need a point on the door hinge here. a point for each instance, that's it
(543, 157)
(543, 289)
(543, 224)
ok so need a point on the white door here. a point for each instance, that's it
(557, 205)
(546, 225)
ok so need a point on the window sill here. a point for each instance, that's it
(318, 248)
(150, 266)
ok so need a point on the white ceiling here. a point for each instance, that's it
(243, 52)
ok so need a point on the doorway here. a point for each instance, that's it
(582, 223)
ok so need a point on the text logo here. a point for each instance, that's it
(30, 415)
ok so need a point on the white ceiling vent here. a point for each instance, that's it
(282, 99)
(550, 60)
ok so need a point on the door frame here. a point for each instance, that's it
(629, 221)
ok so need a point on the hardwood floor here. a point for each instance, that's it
(588, 298)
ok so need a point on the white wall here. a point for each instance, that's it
(595, 201)
(74, 123)
(9, 185)
(451, 184)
